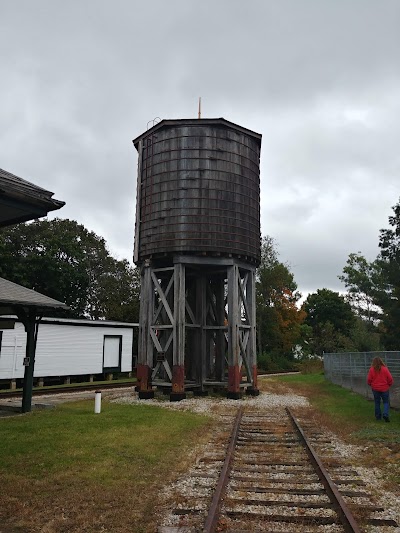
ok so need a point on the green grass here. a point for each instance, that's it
(72, 435)
(351, 416)
(333, 399)
(69, 456)
(341, 404)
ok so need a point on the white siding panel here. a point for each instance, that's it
(12, 353)
(127, 347)
(62, 350)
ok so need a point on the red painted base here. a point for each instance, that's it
(178, 379)
(254, 376)
(143, 375)
(234, 377)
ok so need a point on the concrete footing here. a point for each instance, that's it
(234, 395)
(146, 394)
(177, 396)
(250, 391)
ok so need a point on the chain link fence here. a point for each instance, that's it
(350, 370)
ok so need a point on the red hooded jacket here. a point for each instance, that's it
(379, 380)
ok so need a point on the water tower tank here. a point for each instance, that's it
(198, 190)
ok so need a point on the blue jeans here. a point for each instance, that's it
(385, 399)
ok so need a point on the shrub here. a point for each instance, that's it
(273, 362)
(311, 365)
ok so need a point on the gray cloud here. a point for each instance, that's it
(319, 79)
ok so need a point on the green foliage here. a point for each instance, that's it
(273, 362)
(374, 289)
(116, 294)
(62, 259)
(331, 319)
(311, 365)
(328, 306)
(389, 244)
(278, 318)
(363, 281)
(49, 257)
(363, 337)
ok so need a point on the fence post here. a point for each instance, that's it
(351, 372)
(365, 371)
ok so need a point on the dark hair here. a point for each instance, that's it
(377, 363)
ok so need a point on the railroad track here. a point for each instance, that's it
(277, 474)
(69, 388)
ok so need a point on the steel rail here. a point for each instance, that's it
(69, 388)
(214, 510)
(344, 513)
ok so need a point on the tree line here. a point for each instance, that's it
(365, 318)
(65, 261)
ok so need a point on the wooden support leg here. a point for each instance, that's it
(178, 383)
(234, 377)
(178, 355)
(220, 337)
(253, 390)
(143, 369)
(252, 348)
(144, 387)
(234, 370)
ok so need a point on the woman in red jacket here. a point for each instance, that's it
(380, 380)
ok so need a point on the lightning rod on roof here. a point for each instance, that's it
(199, 115)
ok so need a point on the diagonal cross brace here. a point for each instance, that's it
(163, 297)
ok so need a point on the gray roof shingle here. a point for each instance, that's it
(21, 200)
(14, 186)
(13, 294)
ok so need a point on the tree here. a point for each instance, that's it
(65, 261)
(363, 337)
(389, 296)
(363, 281)
(278, 318)
(117, 295)
(331, 319)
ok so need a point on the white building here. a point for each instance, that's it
(70, 347)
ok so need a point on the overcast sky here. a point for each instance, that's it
(320, 80)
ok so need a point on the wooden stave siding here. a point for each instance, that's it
(200, 193)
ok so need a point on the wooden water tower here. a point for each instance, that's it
(197, 242)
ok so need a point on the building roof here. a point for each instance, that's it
(12, 295)
(197, 122)
(21, 200)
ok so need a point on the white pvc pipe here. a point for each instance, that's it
(97, 402)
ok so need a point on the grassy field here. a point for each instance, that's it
(350, 416)
(69, 470)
